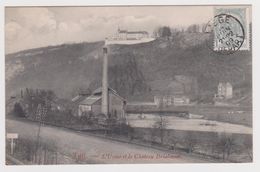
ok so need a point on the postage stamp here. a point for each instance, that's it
(230, 30)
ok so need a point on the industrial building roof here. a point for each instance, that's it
(78, 99)
(90, 100)
(99, 91)
(97, 94)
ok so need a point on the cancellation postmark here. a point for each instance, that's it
(228, 32)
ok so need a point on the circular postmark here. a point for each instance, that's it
(225, 34)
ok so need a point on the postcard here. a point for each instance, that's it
(128, 84)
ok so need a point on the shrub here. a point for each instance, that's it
(18, 110)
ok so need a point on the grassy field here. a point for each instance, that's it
(204, 143)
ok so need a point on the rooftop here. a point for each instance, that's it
(132, 32)
(96, 95)
(90, 100)
(99, 90)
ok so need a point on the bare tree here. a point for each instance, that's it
(248, 144)
(161, 123)
(190, 141)
(226, 145)
(173, 142)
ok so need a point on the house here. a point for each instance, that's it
(92, 104)
(181, 100)
(163, 100)
(77, 99)
(82, 93)
(171, 100)
(177, 92)
(225, 91)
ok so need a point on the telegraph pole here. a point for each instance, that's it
(40, 115)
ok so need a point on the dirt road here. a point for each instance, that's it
(95, 149)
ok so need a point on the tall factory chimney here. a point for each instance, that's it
(104, 108)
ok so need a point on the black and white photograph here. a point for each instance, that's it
(128, 84)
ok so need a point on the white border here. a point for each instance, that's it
(147, 167)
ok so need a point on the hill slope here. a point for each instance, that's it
(132, 68)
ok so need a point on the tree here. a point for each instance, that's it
(226, 145)
(33, 97)
(130, 132)
(87, 118)
(248, 144)
(127, 78)
(173, 142)
(18, 110)
(190, 141)
(166, 32)
(163, 32)
(161, 123)
(193, 28)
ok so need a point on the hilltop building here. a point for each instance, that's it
(131, 35)
(225, 91)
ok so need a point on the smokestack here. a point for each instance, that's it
(104, 106)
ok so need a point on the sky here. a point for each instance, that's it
(33, 27)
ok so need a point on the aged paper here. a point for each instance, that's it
(128, 84)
